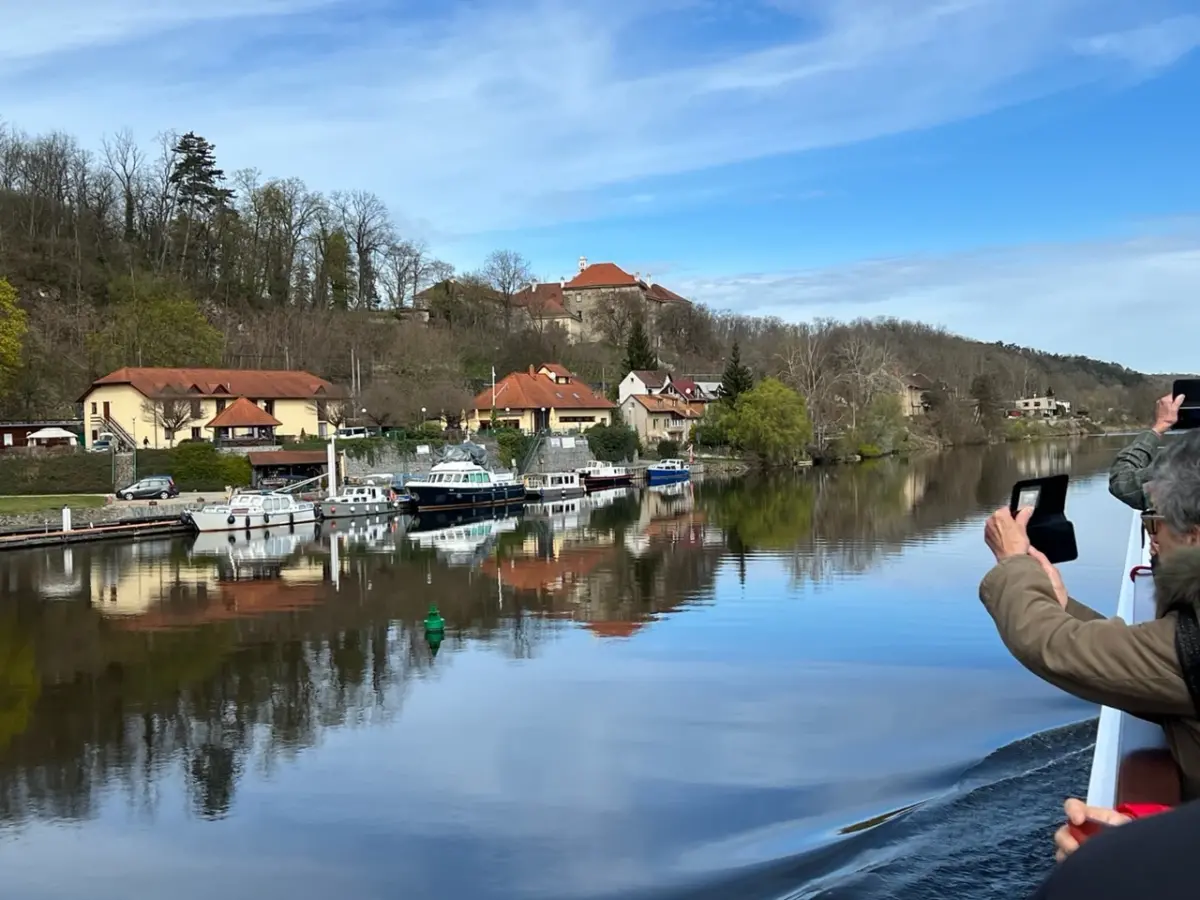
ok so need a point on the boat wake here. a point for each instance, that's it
(989, 835)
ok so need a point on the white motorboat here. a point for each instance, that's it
(465, 485)
(545, 486)
(598, 475)
(1127, 747)
(359, 500)
(253, 509)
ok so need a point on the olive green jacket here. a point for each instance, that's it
(1130, 470)
(1133, 668)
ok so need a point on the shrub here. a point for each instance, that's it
(869, 451)
(196, 467)
(513, 445)
(56, 473)
(612, 443)
(668, 449)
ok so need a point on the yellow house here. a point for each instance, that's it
(157, 407)
(657, 417)
(549, 398)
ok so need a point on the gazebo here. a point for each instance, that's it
(243, 422)
(52, 437)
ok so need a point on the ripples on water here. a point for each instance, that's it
(757, 689)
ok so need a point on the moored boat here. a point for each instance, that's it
(553, 485)
(668, 471)
(465, 485)
(359, 500)
(598, 475)
(1129, 750)
(253, 509)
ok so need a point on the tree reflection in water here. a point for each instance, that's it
(198, 675)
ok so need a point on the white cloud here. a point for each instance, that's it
(1132, 301)
(1149, 47)
(486, 115)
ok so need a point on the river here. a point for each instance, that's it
(708, 693)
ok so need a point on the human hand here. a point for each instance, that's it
(1060, 589)
(1166, 412)
(1078, 814)
(1005, 533)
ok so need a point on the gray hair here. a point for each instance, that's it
(1175, 483)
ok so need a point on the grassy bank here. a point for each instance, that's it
(17, 506)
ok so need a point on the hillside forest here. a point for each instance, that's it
(152, 255)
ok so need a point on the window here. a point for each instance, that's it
(195, 434)
(8, 439)
(197, 410)
(93, 409)
(220, 406)
(95, 433)
(269, 406)
(322, 411)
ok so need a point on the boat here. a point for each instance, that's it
(359, 500)
(253, 509)
(465, 485)
(552, 486)
(1129, 751)
(668, 471)
(463, 538)
(598, 475)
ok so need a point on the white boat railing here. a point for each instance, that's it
(1120, 734)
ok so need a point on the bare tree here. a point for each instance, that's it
(384, 401)
(809, 365)
(613, 316)
(368, 227)
(507, 273)
(169, 411)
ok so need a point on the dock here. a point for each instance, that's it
(137, 528)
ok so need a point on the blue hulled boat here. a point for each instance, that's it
(668, 471)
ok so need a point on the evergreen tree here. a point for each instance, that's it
(639, 355)
(736, 379)
(195, 175)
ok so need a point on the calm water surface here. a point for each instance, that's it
(712, 692)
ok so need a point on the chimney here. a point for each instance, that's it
(649, 278)
(582, 263)
(532, 371)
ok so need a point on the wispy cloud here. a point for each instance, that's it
(1131, 301)
(483, 115)
(1149, 47)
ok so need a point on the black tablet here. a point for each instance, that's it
(1189, 413)
(1049, 529)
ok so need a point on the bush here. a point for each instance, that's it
(196, 467)
(668, 449)
(612, 443)
(513, 445)
(56, 473)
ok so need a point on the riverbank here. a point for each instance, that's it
(87, 510)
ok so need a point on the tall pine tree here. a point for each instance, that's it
(639, 355)
(736, 379)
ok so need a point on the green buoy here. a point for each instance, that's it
(434, 623)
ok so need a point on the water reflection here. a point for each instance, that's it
(207, 663)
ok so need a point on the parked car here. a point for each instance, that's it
(159, 486)
(103, 446)
(350, 433)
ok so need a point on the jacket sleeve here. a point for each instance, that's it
(1077, 610)
(1129, 471)
(1129, 667)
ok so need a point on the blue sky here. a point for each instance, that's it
(1020, 170)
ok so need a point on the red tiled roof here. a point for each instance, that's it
(543, 301)
(528, 390)
(686, 387)
(557, 369)
(657, 403)
(664, 295)
(287, 458)
(244, 414)
(263, 384)
(651, 379)
(602, 275)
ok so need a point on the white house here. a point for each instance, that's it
(641, 382)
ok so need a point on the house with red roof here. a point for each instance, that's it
(597, 287)
(548, 398)
(157, 406)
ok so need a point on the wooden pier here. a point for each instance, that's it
(128, 529)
